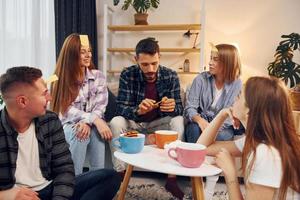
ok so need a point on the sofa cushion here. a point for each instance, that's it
(110, 111)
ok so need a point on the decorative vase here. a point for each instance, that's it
(186, 65)
(295, 98)
(141, 18)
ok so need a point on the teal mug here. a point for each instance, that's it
(129, 144)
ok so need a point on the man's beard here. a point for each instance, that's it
(150, 76)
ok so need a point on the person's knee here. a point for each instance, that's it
(192, 132)
(225, 135)
(177, 119)
(192, 128)
(115, 179)
(110, 176)
(117, 125)
(69, 130)
(177, 124)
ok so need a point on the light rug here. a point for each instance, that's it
(154, 191)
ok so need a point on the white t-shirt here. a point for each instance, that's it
(28, 172)
(266, 169)
(217, 96)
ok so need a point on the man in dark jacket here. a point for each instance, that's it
(35, 161)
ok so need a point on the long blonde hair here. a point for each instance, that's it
(230, 60)
(270, 121)
(68, 69)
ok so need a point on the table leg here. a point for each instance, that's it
(125, 182)
(197, 186)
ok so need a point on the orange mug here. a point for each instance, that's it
(162, 137)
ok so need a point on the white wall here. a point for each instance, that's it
(168, 12)
(256, 26)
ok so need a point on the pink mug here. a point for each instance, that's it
(189, 155)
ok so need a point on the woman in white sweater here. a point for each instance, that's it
(270, 149)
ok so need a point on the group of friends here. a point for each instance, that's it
(43, 151)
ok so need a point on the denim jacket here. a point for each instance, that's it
(201, 96)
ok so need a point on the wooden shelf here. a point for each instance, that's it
(153, 27)
(119, 71)
(170, 50)
(157, 27)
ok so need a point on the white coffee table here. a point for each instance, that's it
(157, 160)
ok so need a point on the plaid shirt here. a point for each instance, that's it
(132, 91)
(91, 100)
(55, 159)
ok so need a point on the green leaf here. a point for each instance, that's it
(283, 66)
(291, 73)
(126, 4)
(154, 3)
(293, 40)
(116, 2)
(140, 6)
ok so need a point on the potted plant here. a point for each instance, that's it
(285, 68)
(141, 7)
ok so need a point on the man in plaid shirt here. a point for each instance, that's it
(148, 100)
(35, 161)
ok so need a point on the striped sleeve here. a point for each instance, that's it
(61, 163)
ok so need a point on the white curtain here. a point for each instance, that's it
(27, 34)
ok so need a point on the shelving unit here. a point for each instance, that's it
(166, 50)
(119, 71)
(157, 27)
(107, 29)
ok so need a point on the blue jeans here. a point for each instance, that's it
(193, 131)
(93, 148)
(93, 185)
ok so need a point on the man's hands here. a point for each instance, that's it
(103, 129)
(146, 106)
(19, 193)
(165, 105)
(26, 194)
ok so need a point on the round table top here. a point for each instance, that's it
(157, 160)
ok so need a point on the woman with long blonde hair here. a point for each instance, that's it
(80, 97)
(213, 90)
(270, 149)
